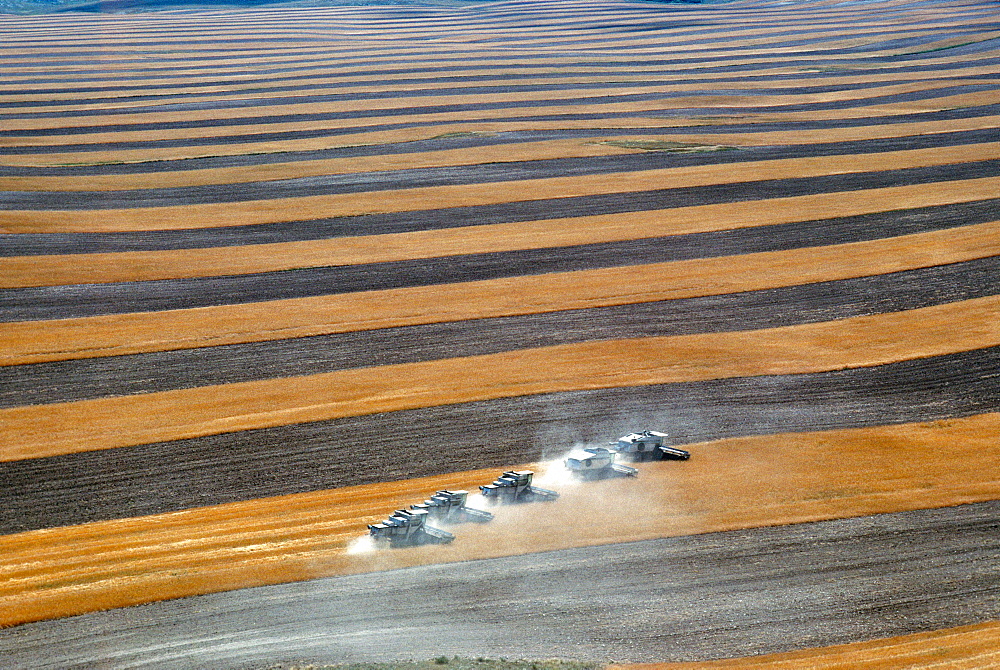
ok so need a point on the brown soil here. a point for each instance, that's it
(966, 647)
(31, 342)
(47, 430)
(727, 484)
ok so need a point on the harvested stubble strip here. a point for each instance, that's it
(975, 647)
(523, 151)
(24, 271)
(104, 423)
(409, 108)
(70, 570)
(636, 126)
(499, 76)
(490, 153)
(306, 208)
(92, 337)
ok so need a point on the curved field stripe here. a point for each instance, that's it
(81, 379)
(824, 475)
(47, 430)
(970, 647)
(528, 156)
(497, 153)
(96, 154)
(32, 342)
(702, 98)
(215, 92)
(304, 208)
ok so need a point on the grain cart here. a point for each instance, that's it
(407, 528)
(450, 507)
(514, 486)
(648, 444)
(596, 463)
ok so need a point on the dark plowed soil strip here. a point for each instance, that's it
(648, 160)
(163, 477)
(499, 173)
(737, 593)
(143, 373)
(275, 136)
(81, 300)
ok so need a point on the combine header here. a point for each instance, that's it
(408, 529)
(597, 463)
(648, 444)
(514, 486)
(450, 507)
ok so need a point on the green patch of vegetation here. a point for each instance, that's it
(454, 663)
(672, 147)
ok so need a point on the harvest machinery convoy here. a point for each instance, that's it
(596, 463)
(450, 507)
(648, 444)
(514, 486)
(407, 528)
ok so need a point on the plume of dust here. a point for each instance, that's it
(362, 545)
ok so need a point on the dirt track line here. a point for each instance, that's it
(972, 647)
(69, 570)
(86, 425)
(91, 337)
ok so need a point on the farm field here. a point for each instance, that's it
(269, 274)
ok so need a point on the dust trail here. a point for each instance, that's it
(362, 545)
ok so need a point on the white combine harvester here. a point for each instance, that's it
(596, 463)
(450, 507)
(407, 528)
(514, 486)
(648, 444)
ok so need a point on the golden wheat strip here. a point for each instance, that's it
(305, 208)
(497, 77)
(104, 423)
(63, 571)
(552, 99)
(21, 271)
(90, 337)
(686, 176)
(626, 129)
(975, 647)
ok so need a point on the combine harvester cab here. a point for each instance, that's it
(407, 528)
(597, 463)
(648, 444)
(449, 507)
(514, 486)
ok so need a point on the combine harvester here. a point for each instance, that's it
(597, 463)
(450, 507)
(407, 528)
(514, 486)
(648, 445)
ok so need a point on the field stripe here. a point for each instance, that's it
(31, 342)
(113, 564)
(65, 381)
(34, 432)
